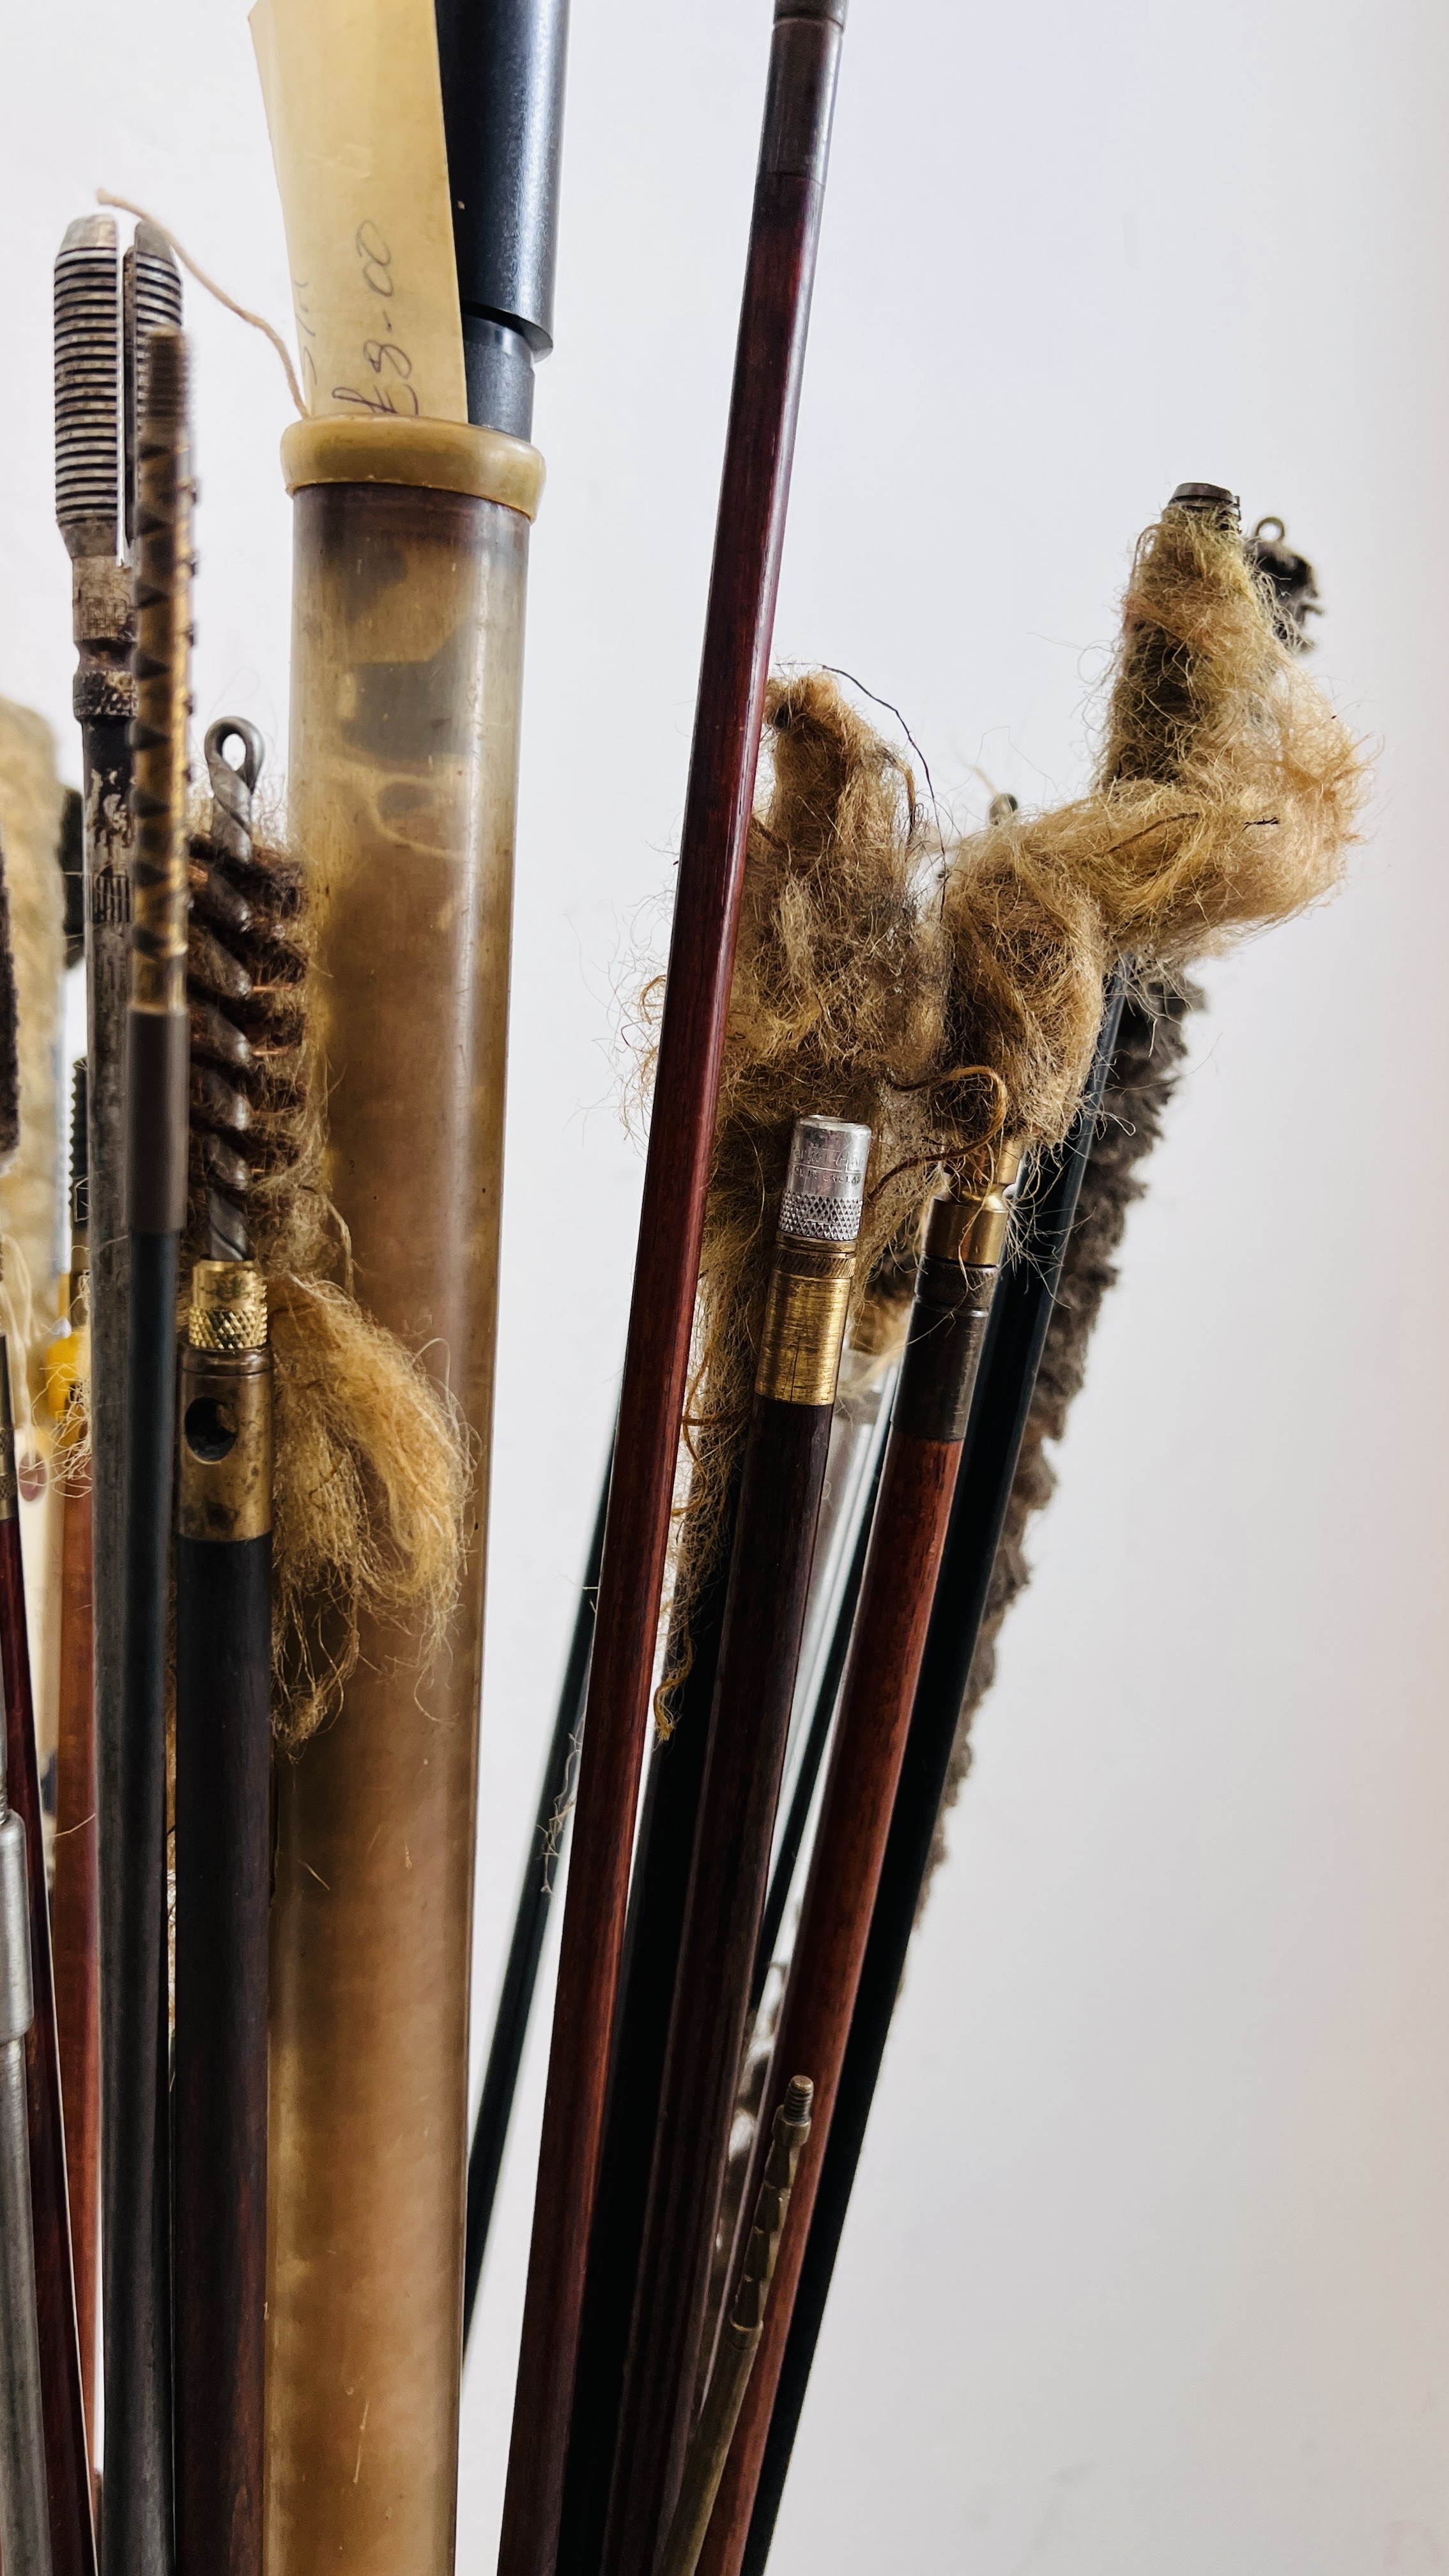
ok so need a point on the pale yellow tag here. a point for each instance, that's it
(355, 109)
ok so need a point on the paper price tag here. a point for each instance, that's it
(355, 111)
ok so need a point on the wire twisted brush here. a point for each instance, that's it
(245, 968)
(371, 1466)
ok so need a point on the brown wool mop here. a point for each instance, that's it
(946, 1004)
(1146, 1069)
(1228, 795)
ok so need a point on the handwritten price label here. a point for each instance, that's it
(356, 118)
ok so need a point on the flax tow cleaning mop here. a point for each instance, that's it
(1229, 793)
(411, 514)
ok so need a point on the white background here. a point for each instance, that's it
(1148, 2272)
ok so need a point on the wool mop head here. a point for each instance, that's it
(948, 1002)
(372, 1466)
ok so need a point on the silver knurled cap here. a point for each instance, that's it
(825, 1182)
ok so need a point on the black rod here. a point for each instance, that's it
(530, 1922)
(1020, 1316)
(502, 65)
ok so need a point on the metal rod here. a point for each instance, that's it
(822, 1719)
(759, 447)
(24, 2510)
(102, 327)
(137, 2531)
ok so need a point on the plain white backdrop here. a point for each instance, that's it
(1148, 2271)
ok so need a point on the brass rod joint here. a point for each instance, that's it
(809, 1293)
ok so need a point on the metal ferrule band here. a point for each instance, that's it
(224, 1489)
(804, 1328)
(943, 1350)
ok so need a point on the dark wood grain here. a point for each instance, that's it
(1021, 1311)
(75, 1931)
(739, 623)
(67, 2474)
(918, 1485)
(658, 1894)
(219, 2100)
(784, 1473)
(875, 1707)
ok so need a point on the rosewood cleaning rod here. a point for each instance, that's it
(1021, 1312)
(764, 405)
(658, 1892)
(781, 1480)
(955, 1284)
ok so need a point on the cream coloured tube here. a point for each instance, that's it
(407, 650)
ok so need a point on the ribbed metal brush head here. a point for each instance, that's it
(88, 389)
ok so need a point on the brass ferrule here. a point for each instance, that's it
(224, 1490)
(228, 1307)
(163, 638)
(971, 1227)
(809, 1293)
(804, 1327)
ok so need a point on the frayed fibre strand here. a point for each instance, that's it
(373, 1465)
(949, 1001)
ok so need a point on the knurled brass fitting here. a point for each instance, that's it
(228, 1307)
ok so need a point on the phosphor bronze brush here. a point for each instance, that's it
(245, 966)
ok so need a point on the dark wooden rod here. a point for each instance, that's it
(738, 626)
(764, 1619)
(657, 1897)
(918, 1482)
(219, 2116)
(1021, 1311)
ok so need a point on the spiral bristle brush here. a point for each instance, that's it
(245, 968)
